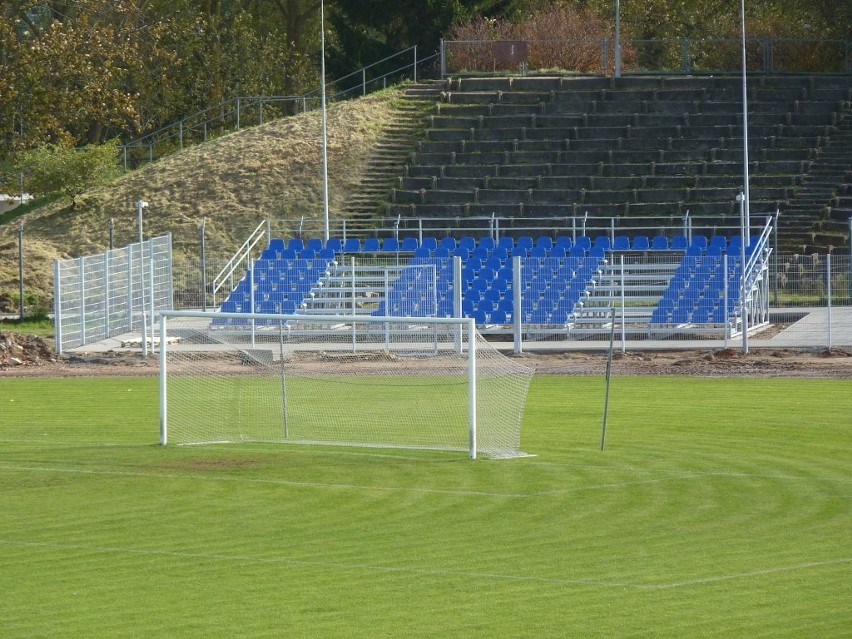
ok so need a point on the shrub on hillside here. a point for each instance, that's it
(72, 171)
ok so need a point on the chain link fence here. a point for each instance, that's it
(108, 294)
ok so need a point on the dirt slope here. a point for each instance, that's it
(235, 182)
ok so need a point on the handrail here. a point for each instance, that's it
(667, 55)
(231, 108)
(750, 270)
(242, 254)
(645, 225)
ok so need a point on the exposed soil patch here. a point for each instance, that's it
(25, 356)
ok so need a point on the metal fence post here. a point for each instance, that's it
(203, 265)
(57, 304)
(106, 293)
(21, 265)
(828, 293)
(180, 134)
(444, 58)
(517, 316)
(364, 81)
(238, 114)
(415, 63)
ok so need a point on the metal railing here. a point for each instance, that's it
(669, 56)
(243, 111)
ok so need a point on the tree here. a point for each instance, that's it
(54, 167)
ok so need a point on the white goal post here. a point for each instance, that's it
(352, 380)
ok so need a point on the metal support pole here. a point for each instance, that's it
(57, 305)
(471, 380)
(163, 386)
(140, 205)
(21, 265)
(617, 38)
(324, 124)
(203, 264)
(111, 233)
(828, 294)
(415, 63)
(443, 59)
(517, 315)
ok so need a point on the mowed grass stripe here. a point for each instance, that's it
(681, 528)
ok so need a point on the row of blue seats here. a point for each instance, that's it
(525, 245)
(550, 285)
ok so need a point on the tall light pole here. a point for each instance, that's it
(324, 131)
(745, 221)
(617, 38)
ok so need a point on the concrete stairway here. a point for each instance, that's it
(817, 217)
(640, 146)
(409, 120)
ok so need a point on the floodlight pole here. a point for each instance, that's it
(324, 124)
(617, 38)
(745, 222)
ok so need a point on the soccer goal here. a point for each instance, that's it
(385, 382)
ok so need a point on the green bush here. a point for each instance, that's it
(71, 171)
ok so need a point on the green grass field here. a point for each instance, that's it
(720, 508)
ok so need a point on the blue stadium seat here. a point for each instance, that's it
(467, 242)
(563, 241)
(525, 242)
(448, 243)
(641, 243)
(621, 243)
(372, 245)
(390, 245)
(430, 243)
(506, 242)
(352, 245)
(679, 243)
(660, 243)
(409, 244)
(544, 241)
(315, 244)
(296, 244)
(699, 241)
(486, 242)
(334, 244)
(583, 241)
(601, 242)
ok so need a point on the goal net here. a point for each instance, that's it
(389, 382)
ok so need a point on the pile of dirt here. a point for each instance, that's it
(22, 350)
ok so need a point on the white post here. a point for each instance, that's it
(744, 205)
(623, 330)
(725, 300)
(151, 292)
(57, 305)
(517, 316)
(163, 424)
(140, 205)
(106, 293)
(82, 284)
(471, 380)
(324, 124)
(743, 244)
(828, 293)
(617, 38)
(457, 298)
(251, 299)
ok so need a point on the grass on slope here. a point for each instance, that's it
(719, 509)
(236, 181)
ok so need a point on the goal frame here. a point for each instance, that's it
(468, 324)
